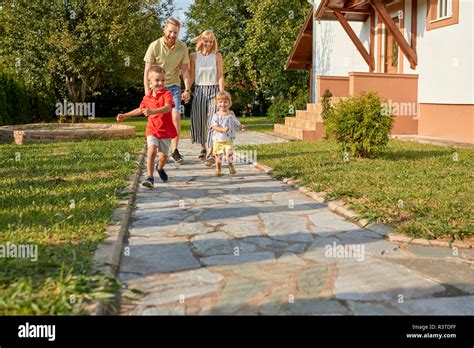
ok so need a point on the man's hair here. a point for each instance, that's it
(172, 21)
(225, 96)
(158, 69)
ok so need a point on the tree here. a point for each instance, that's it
(271, 32)
(255, 38)
(226, 18)
(72, 47)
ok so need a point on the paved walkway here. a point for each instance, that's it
(248, 244)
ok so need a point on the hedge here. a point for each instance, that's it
(20, 104)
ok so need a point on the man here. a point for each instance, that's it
(171, 54)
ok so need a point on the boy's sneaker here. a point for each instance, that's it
(176, 156)
(149, 182)
(210, 161)
(218, 172)
(162, 174)
(232, 169)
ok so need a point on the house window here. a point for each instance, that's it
(441, 13)
(445, 9)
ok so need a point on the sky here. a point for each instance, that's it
(182, 6)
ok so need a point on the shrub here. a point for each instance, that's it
(360, 124)
(114, 100)
(326, 108)
(20, 104)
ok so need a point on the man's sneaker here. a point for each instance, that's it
(176, 156)
(181, 156)
(210, 161)
(149, 182)
(232, 169)
(162, 174)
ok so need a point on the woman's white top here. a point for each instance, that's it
(206, 69)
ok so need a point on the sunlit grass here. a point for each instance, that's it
(425, 190)
(60, 197)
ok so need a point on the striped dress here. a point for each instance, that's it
(203, 107)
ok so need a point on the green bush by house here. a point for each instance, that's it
(360, 124)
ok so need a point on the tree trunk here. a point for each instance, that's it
(73, 94)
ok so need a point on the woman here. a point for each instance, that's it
(206, 68)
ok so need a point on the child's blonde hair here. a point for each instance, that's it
(158, 69)
(206, 34)
(223, 95)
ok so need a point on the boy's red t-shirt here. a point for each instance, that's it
(160, 125)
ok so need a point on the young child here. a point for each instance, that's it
(156, 105)
(223, 133)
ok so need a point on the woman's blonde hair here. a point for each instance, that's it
(225, 96)
(206, 34)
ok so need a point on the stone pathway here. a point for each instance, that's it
(248, 244)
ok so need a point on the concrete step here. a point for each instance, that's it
(308, 115)
(300, 133)
(300, 123)
(313, 107)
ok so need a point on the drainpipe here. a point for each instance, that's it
(314, 99)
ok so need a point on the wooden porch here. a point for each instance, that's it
(398, 90)
(395, 88)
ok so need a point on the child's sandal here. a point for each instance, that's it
(202, 155)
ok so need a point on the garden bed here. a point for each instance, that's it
(51, 132)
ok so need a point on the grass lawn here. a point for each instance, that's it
(59, 197)
(419, 188)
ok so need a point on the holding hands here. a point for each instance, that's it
(186, 96)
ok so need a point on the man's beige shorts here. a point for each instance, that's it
(162, 145)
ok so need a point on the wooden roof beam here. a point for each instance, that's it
(355, 39)
(349, 10)
(358, 3)
(387, 20)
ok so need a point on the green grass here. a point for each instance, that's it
(60, 197)
(417, 187)
(255, 123)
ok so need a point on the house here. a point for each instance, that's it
(417, 54)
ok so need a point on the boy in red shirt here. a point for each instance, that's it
(156, 105)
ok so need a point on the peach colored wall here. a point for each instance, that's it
(447, 121)
(404, 125)
(338, 85)
(395, 87)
